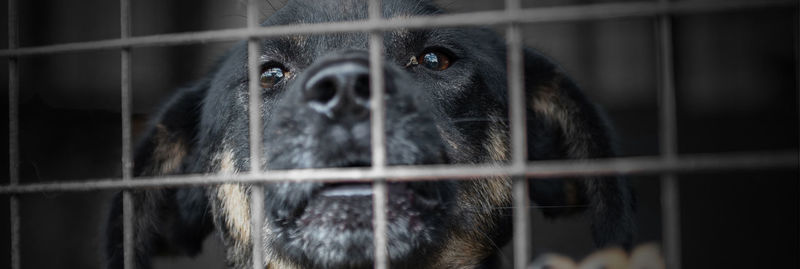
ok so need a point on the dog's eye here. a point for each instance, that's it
(271, 76)
(435, 61)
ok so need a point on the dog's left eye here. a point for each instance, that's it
(435, 61)
(271, 76)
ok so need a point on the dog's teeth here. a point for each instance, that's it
(346, 191)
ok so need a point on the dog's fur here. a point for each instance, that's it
(453, 116)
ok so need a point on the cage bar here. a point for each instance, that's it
(257, 214)
(253, 52)
(127, 231)
(125, 92)
(15, 224)
(668, 142)
(647, 165)
(13, 132)
(378, 137)
(797, 72)
(127, 159)
(485, 18)
(519, 152)
(256, 191)
(13, 94)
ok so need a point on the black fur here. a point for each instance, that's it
(317, 116)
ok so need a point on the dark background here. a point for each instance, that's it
(736, 85)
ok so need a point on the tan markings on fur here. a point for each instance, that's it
(234, 199)
(235, 203)
(497, 143)
(168, 153)
(298, 41)
(447, 137)
(226, 163)
(492, 192)
(402, 34)
(549, 102)
(461, 251)
(280, 264)
(480, 200)
(237, 211)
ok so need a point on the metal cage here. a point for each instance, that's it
(667, 164)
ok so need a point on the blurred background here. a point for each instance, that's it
(736, 75)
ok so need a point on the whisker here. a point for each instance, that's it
(460, 120)
(549, 206)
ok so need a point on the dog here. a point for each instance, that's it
(446, 103)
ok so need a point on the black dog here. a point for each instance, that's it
(446, 104)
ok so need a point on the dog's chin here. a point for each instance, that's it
(333, 228)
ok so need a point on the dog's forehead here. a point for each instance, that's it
(319, 11)
(304, 49)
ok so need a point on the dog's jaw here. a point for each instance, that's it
(332, 226)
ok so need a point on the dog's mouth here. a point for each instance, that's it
(349, 207)
(331, 225)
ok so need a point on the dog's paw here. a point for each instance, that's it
(646, 256)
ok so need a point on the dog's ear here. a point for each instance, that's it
(563, 124)
(170, 134)
(168, 221)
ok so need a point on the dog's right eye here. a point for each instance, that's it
(271, 75)
(435, 59)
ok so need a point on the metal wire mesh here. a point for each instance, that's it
(667, 164)
(668, 141)
(378, 137)
(13, 131)
(256, 196)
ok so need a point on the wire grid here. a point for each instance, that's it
(667, 164)
(668, 141)
(13, 131)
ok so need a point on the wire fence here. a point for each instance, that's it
(667, 164)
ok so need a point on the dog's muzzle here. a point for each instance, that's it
(322, 121)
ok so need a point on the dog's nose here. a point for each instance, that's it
(339, 89)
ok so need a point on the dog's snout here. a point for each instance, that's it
(338, 89)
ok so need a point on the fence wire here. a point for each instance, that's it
(668, 164)
(378, 137)
(256, 191)
(646, 165)
(13, 132)
(483, 18)
(668, 141)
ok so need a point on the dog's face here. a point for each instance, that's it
(446, 103)
(442, 91)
